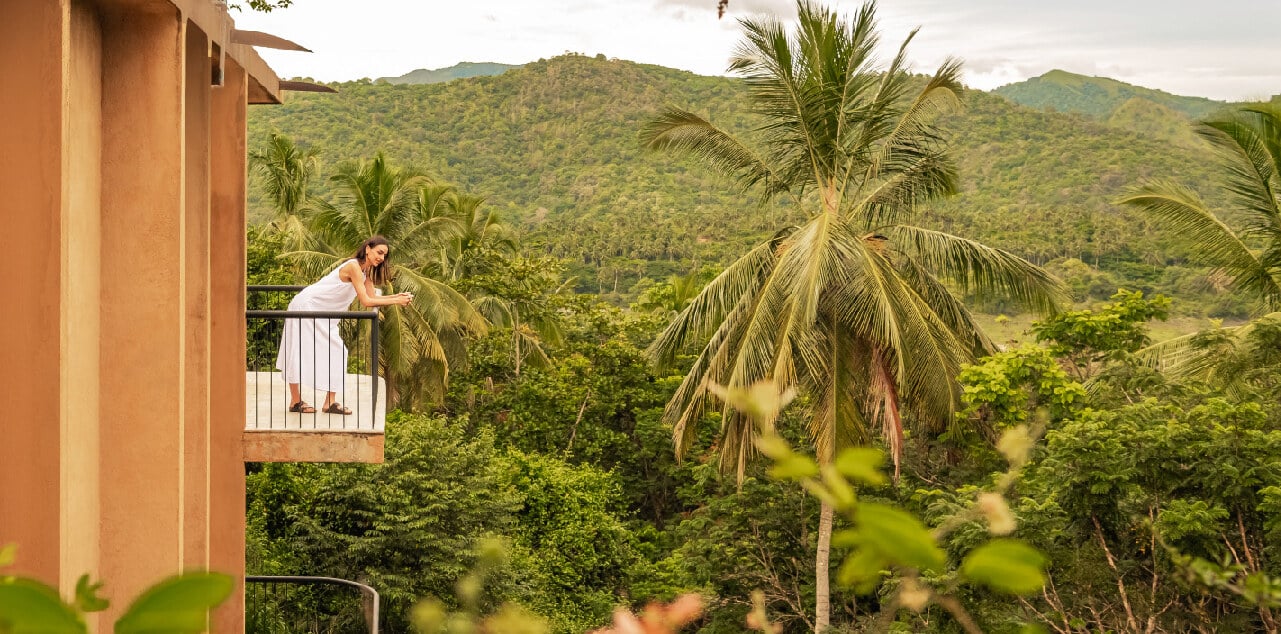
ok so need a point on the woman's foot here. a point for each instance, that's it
(336, 408)
(302, 408)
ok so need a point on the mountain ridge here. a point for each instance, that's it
(1098, 96)
(461, 70)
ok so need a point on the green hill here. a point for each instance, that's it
(554, 146)
(461, 70)
(1097, 96)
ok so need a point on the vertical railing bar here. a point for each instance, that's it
(359, 332)
(256, 422)
(316, 406)
(271, 410)
(373, 368)
(355, 405)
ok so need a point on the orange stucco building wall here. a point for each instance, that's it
(122, 326)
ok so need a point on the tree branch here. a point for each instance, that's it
(1120, 582)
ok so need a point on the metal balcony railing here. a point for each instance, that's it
(316, 605)
(355, 379)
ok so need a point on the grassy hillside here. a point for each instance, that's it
(554, 146)
(1097, 96)
(461, 70)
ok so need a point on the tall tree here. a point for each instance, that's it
(420, 340)
(1242, 241)
(851, 304)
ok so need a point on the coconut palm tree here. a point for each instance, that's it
(851, 304)
(483, 232)
(420, 340)
(1247, 149)
(285, 172)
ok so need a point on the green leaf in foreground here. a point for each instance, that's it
(87, 598)
(178, 605)
(898, 536)
(862, 464)
(861, 571)
(1007, 565)
(794, 467)
(30, 607)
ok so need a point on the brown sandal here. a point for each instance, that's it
(302, 407)
(336, 408)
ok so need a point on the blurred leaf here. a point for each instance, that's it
(87, 599)
(862, 464)
(861, 571)
(8, 553)
(898, 536)
(429, 616)
(773, 446)
(29, 607)
(177, 605)
(1007, 565)
(794, 467)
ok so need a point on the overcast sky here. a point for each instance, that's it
(1223, 49)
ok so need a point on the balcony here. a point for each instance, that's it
(351, 370)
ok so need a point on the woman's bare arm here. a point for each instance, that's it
(365, 289)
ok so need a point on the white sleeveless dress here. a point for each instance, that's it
(311, 350)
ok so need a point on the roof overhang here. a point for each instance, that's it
(213, 18)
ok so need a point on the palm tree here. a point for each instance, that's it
(483, 232)
(421, 340)
(1247, 148)
(285, 171)
(851, 304)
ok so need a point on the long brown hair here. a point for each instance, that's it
(380, 274)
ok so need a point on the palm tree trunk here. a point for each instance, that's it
(822, 558)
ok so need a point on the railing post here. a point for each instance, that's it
(373, 368)
(370, 603)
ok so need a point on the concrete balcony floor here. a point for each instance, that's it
(274, 434)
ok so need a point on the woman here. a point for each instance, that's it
(308, 343)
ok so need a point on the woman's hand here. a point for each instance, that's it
(402, 299)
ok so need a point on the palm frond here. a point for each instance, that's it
(980, 270)
(1213, 242)
(689, 134)
(949, 309)
(712, 306)
(688, 403)
(919, 174)
(1249, 144)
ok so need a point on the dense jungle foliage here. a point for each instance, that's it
(626, 381)
(1152, 500)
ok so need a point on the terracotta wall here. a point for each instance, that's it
(32, 80)
(123, 335)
